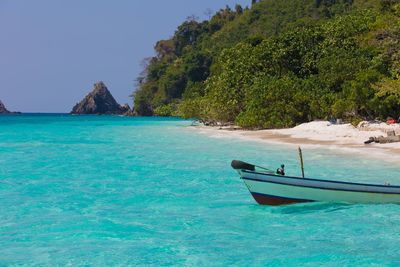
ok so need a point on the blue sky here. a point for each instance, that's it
(52, 51)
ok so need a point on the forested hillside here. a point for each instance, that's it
(279, 63)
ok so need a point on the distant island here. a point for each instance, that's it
(279, 63)
(4, 110)
(100, 102)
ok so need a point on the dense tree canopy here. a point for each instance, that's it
(279, 63)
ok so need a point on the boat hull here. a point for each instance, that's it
(270, 189)
(264, 199)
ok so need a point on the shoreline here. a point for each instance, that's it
(319, 134)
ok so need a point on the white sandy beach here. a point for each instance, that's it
(320, 133)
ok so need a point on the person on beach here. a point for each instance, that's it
(281, 170)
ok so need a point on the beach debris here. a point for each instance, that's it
(214, 123)
(334, 121)
(378, 126)
(390, 138)
(100, 101)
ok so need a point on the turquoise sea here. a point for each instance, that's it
(101, 190)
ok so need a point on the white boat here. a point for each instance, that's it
(269, 188)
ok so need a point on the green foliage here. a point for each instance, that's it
(387, 98)
(166, 110)
(142, 100)
(278, 64)
(226, 90)
(193, 108)
(275, 102)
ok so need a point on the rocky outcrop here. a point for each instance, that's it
(3, 109)
(100, 101)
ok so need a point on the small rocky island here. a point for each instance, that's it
(4, 110)
(100, 101)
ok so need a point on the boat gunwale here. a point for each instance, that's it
(323, 188)
(317, 180)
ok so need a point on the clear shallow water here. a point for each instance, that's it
(82, 190)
